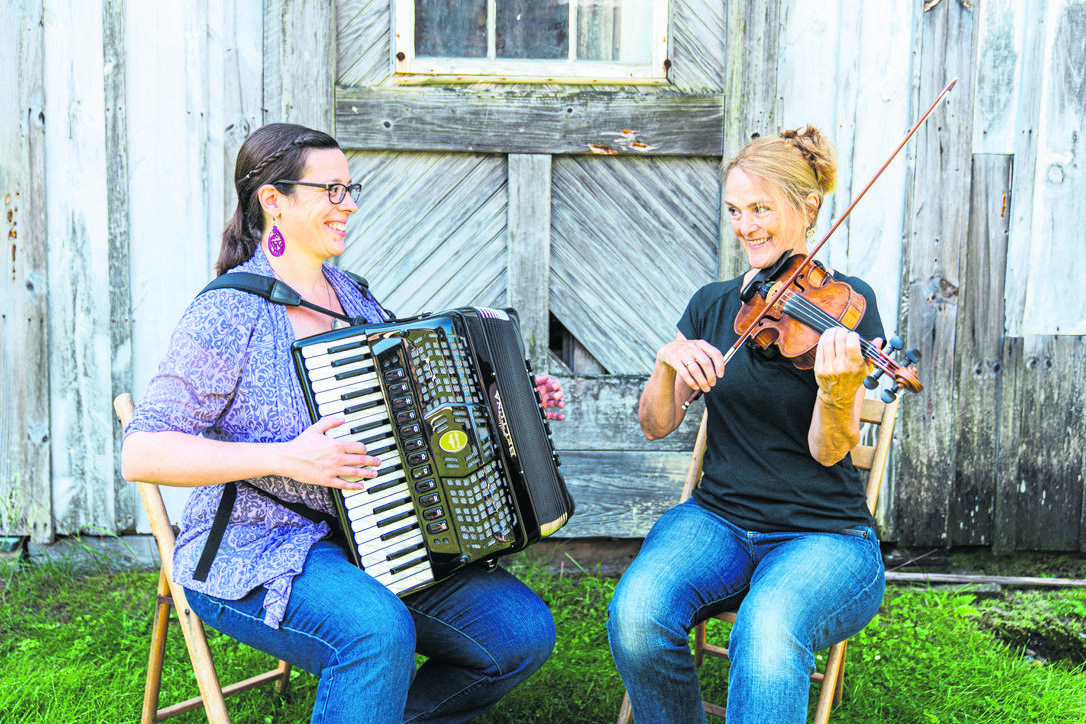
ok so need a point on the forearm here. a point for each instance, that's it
(660, 409)
(835, 427)
(177, 458)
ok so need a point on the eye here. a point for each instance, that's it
(760, 209)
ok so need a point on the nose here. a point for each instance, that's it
(348, 204)
(747, 223)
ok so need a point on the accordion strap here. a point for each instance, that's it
(222, 518)
(278, 292)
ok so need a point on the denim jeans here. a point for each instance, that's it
(483, 633)
(800, 593)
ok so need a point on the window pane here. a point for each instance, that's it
(537, 29)
(450, 28)
(615, 30)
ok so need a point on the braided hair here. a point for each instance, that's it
(270, 153)
(796, 162)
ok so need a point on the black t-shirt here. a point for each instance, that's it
(758, 471)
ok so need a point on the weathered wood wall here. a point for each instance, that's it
(576, 206)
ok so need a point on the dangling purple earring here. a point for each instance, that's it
(276, 243)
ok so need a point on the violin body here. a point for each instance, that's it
(785, 326)
(790, 316)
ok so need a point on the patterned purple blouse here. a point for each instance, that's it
(228, 375)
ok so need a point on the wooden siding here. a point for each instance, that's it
(25, 473)
(565, 202)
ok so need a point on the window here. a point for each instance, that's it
(557, 41)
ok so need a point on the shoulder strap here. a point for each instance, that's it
(222, 518)
(278, 292)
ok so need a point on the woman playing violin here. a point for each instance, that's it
(779, 520)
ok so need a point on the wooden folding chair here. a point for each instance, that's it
(872, 458)
(212, 695)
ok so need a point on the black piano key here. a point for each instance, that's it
(349, 360)
(399, 531)
(410, 564)
(405, 551)
(396, 519)
(345, 347)
(389, 506)
(385, 486)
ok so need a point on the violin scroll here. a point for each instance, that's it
(904, 375)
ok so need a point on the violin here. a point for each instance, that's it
(807, 313)
(790, 317)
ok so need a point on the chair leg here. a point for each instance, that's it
(834, 667)
(699, 644)
(159, 630)
(839, 688)
(206, 676)
(283, 679)
(625, 712)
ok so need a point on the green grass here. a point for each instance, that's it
(73, 648)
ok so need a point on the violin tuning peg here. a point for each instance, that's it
(888, 396)
(895, 342)
(913, 355)
(871, 381)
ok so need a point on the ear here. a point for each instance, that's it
(269, 198)
(813, 202)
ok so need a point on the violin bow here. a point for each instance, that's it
(809, 258)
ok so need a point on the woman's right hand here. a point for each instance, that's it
(316, 458)
(696, 362)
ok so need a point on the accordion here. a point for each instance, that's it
(447, 403)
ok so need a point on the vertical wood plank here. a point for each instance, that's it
(1053, 434)
(243, 55)
(751, 100)
(1055, 300)
(25, 473)
(936, 228)
(979, 340)
(1027, 125)
(300, 63)
(999, 58)
(80, 359)
(120, 287)
(530, 250)
(1011, 449)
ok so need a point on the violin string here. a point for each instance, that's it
(818, 319)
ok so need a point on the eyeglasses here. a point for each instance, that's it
(336, 192)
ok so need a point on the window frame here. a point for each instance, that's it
(411, 70)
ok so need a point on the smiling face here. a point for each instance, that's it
(762, 220)
(308, 220)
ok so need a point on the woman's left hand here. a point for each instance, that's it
(550, 391)
(840, 366)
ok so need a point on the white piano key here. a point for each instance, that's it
(369, 545)
(366, 527)
(378, 560)
(335, 394)
(319, 348)
(314, 362)
(409, 579)
(322, 374)
(362, 504)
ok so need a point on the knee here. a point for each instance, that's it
(530, 640)
(639, 622)
(382, 634)
(766, 643)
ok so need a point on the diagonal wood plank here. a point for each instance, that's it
(430, 230)
(632, 239)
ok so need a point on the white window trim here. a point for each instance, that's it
(409, 70)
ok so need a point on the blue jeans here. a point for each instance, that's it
(801, 592)
(483, 633)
